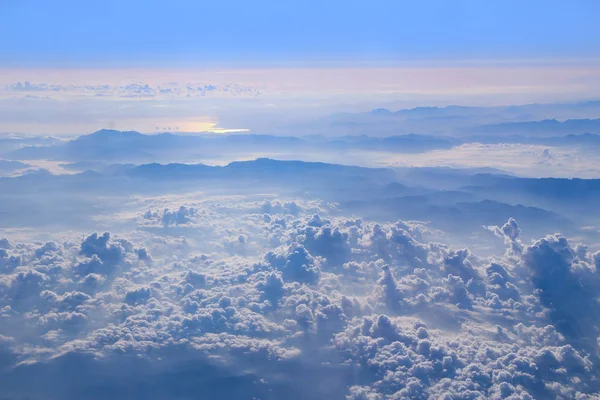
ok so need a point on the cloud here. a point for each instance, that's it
(510, 231)
(567, 285)
(139, 90)
(325, 306)
(296, 264)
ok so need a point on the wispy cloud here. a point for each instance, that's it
(132, 90)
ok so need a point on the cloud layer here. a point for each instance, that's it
(292, 300)
(139, 90)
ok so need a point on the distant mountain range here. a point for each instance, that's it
(513, 111)
(111, 145)
(469, 199)
(546, 128)
(454, 120)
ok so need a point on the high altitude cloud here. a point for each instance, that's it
(132, 90)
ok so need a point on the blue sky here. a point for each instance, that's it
(316, 56)
(135, 32)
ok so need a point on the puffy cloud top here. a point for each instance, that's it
(322, 307)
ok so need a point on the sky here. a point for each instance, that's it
(150, 33)
(91, 65)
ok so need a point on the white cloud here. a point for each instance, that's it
(372, 309)
(138, 90)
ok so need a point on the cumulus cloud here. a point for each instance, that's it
(510, 231)
(567, 284)
(324, 306)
